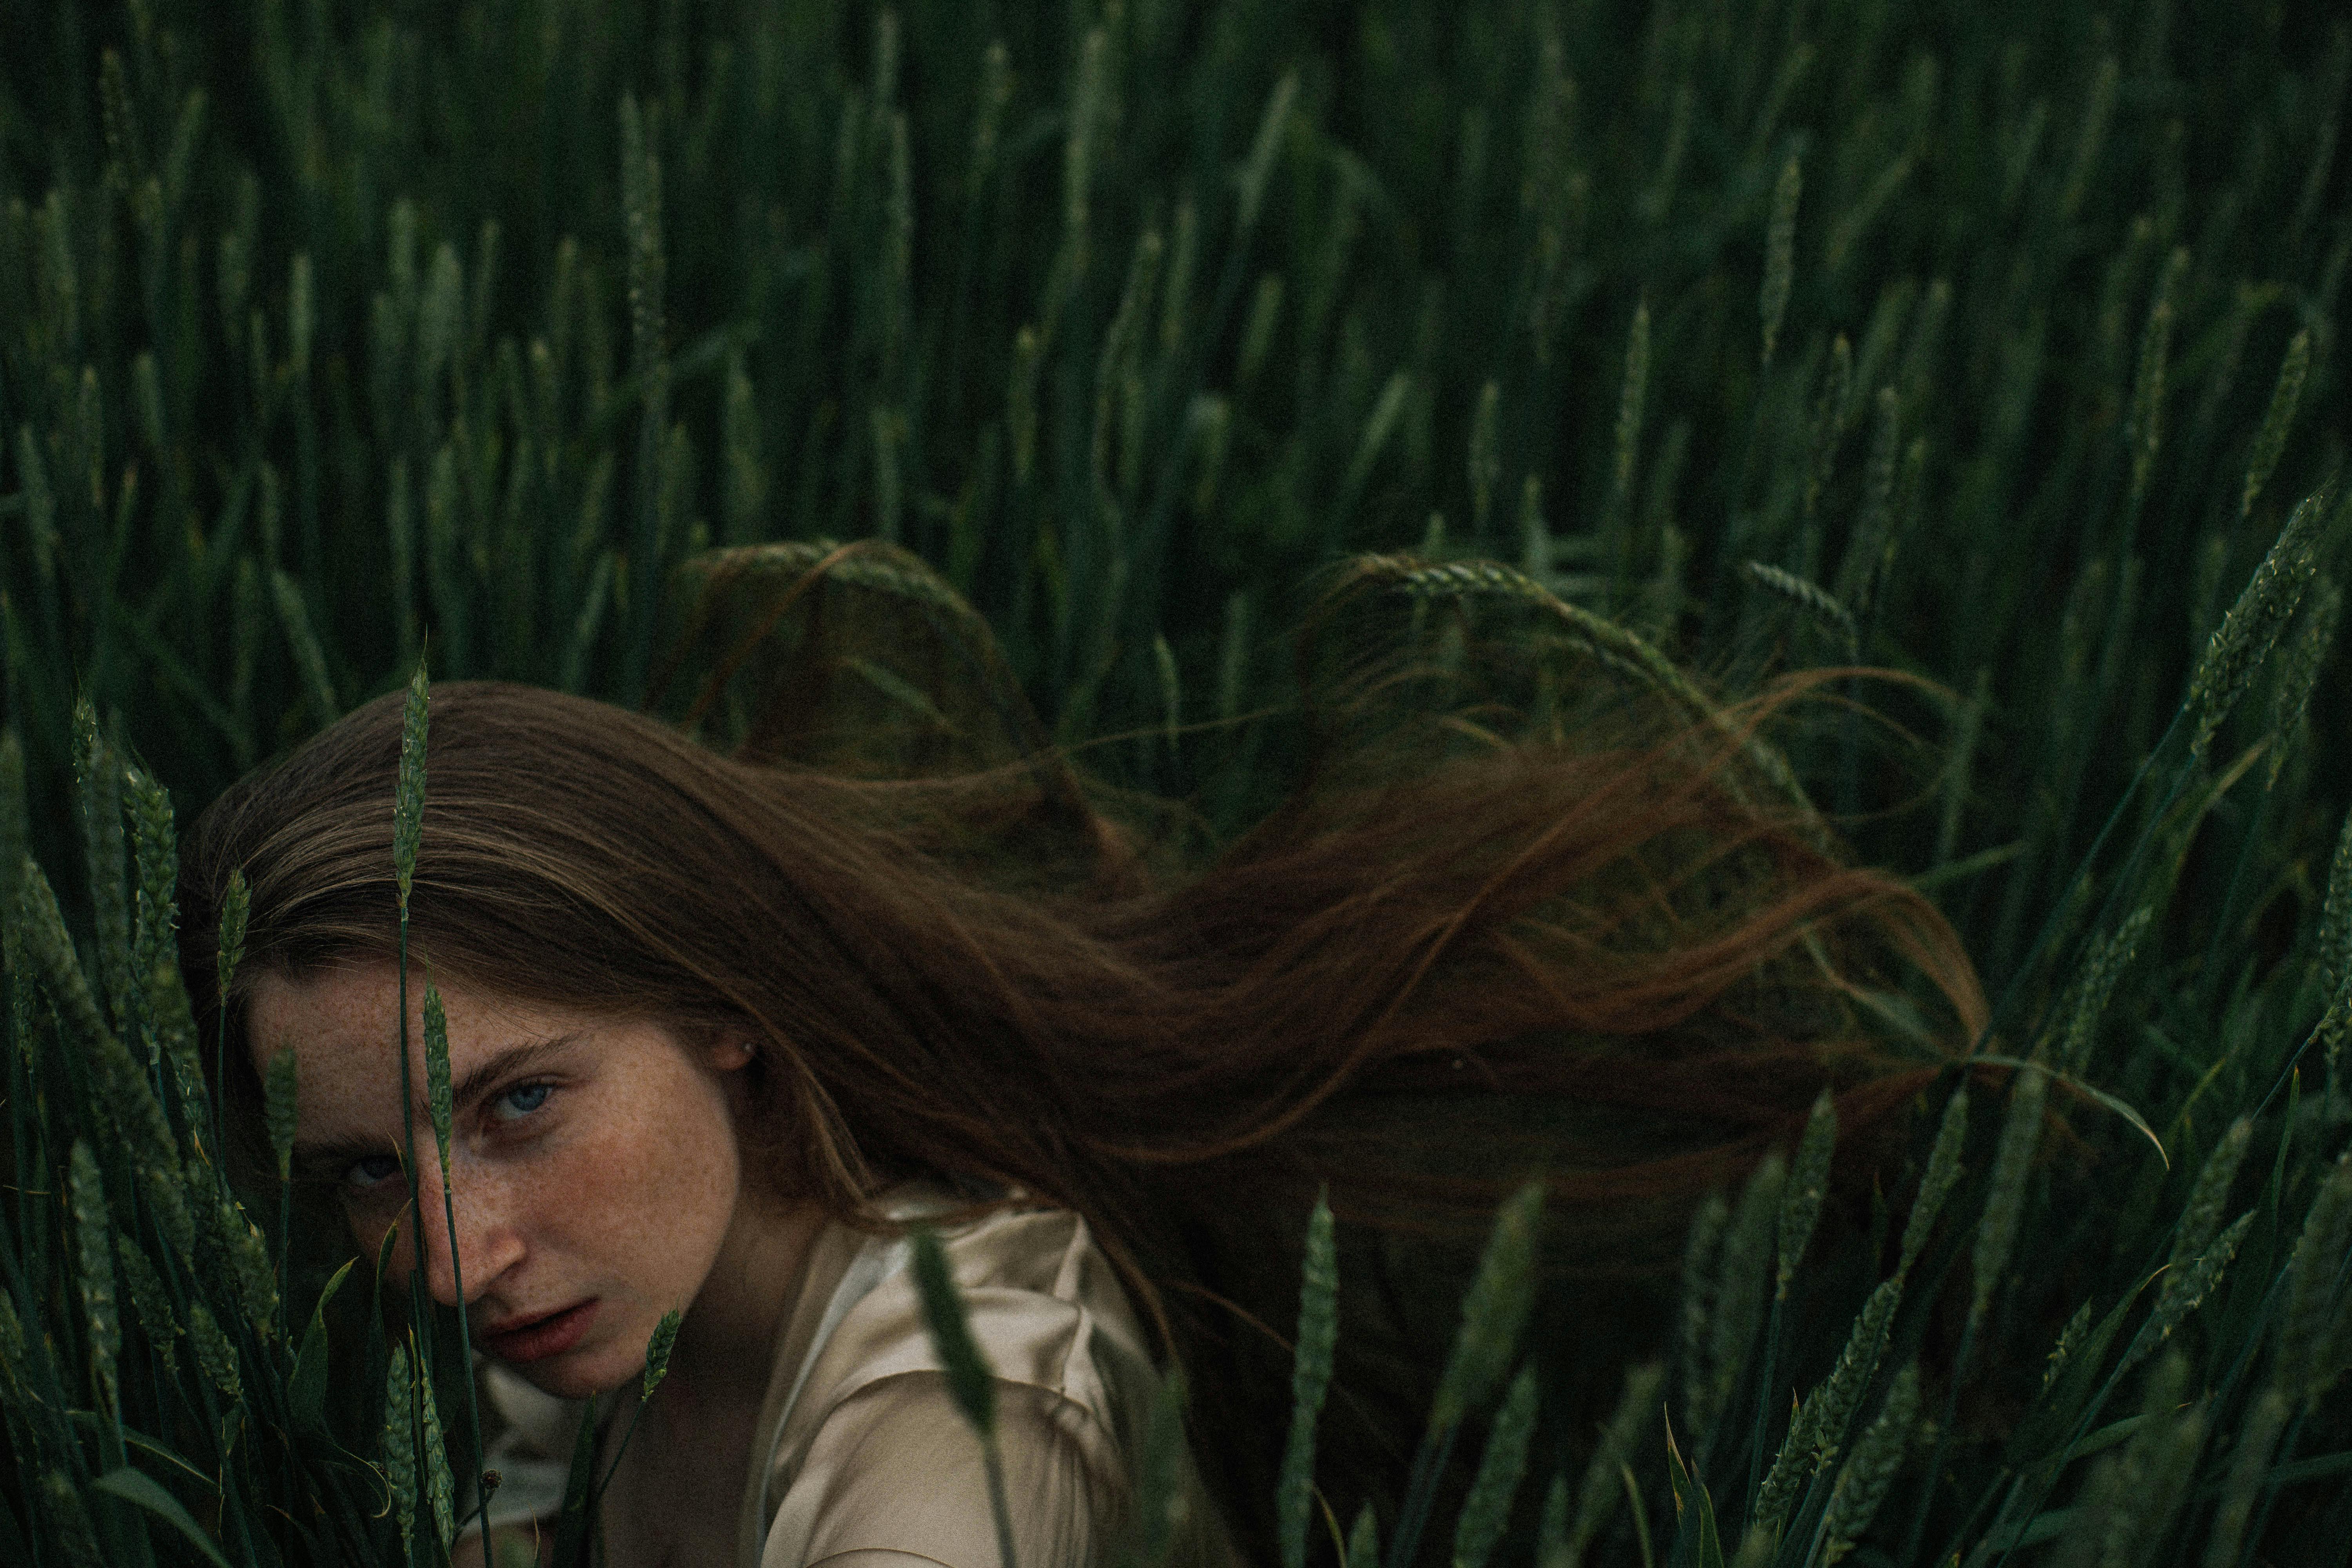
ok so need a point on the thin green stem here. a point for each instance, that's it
(1420, 1493)
(1912, 1537)
(284, 1240)
(466, 1348)
(1770, 1371)
(2279, 1459)
(2209, 981)
(2004, 1010)
(596, 1493)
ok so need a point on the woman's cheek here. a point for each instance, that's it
(367, 1235)
(615, 1179)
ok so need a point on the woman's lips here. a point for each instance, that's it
(536, 1339)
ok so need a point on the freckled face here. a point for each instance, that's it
(594, 1168)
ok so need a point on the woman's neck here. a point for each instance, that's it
(728, 1336)
(676, 1493)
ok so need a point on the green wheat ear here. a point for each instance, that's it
(1551, 1526)
(14, 832)
(2200, 1216)
(256, 1279)
(136, 1115)
(2070, 1339)
(408, 793)
(2185, 1287)
(1857, 1364)
(1781, 250)
(215, 1356)
(2129, 1502)
(277, 1113)
(2271, 439)
(302, 640)
(1943, 1174)
(75, 1534)
(155, 853)
(1310, 1379)
(152, 1302)
(13, 1351)
(1868, 1476)
(2020, 1137)
(2246, 635)
(1486, 459)
(2258, 1436)
(1488, 1507)
(436, 1073)
(98, 777)
(1801, 1201)
(1758, 1548)
(2300, 670)
(1631, 394)
(236, 907)
(1743, 1280)
(95, 1237)
(1819, 1425)
(1702, 1257)
(400, 1444)
(175, 1030)
(1494, 1311)
(2311, 1344)
(2104, 968)
(1597, 1491)
(440, 1483)
(658, 1349)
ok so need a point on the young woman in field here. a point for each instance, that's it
(721, 1026)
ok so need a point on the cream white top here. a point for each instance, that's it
(861, 1458)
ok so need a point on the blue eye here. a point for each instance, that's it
(523, 1098)
(371, 1171)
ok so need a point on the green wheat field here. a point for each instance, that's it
(1989, 344)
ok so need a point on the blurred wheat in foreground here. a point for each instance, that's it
(1989, 345)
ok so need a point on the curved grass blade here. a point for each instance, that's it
(306, 1386)
(137, 1487)
(2092, 1092)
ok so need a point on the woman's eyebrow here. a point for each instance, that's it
(508, 1062)
(478, 1082)
(316, 1160)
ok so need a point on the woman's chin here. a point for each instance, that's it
(579, 1375)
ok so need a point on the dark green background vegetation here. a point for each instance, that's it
(1992, 344)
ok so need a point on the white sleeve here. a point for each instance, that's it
(895, 1476)
(532, 1454)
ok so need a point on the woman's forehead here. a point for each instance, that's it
(356, 1004)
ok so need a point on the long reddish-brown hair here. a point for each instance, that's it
(1459, 951)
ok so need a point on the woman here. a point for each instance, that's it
(722, 1026)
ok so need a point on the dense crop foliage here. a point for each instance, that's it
(1991, 344)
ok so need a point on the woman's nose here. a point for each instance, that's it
(477, 1216)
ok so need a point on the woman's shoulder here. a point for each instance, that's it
(867, 1445)
(1042, 1302)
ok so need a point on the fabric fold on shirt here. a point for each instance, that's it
(862, 1459)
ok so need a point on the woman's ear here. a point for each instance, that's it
(730, 1052)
